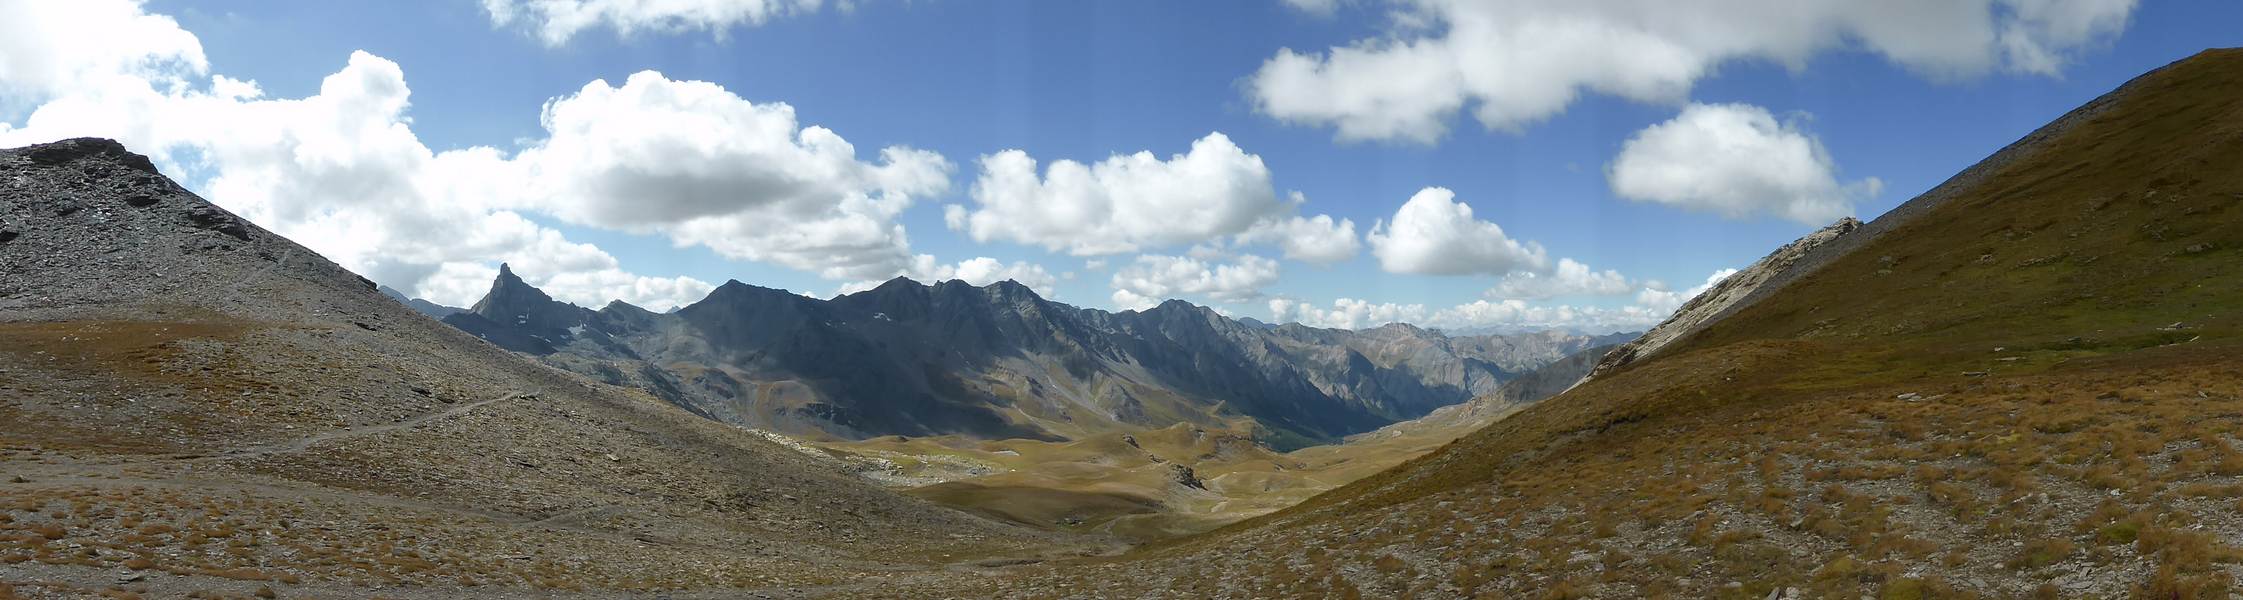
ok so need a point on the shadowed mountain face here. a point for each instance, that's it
(998, 361)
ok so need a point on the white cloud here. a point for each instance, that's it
(1657, 297)
(1126, 203)
(704, 166)
(1322, 8)
(1520, 315)
(1345, 313)
(1653, 303)
(1433, 234)
(2040, 34)
(1570, 278)
(52, 48)
(1513, 63)
(1738, 161)
(1151, 279)
(1319, 239)
(555, 21)
(980, 270)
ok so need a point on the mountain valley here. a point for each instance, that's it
(2026, 382)
(2023, 383)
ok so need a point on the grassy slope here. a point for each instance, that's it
(2090, 247)
(1991, 398)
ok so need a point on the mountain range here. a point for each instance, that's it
(999, 361)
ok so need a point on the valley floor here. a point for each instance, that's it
(84, 523)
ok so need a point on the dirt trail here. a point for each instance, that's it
(357, 432)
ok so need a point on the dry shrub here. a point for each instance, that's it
(2041, 553)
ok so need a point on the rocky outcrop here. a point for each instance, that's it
(1726, 296)
(93, 223)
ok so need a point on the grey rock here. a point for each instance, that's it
(1720, 299)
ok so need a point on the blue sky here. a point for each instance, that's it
(1087, 80)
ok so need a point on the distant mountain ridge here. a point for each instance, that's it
(999, 361)
(433, 310)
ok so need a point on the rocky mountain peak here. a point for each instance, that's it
(624, 307)
(517, 316)
(734, 294)
(1400, 328)
(510, 297)
(899, 283)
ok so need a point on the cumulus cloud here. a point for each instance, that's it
(1569, 278)
(1319, 239)
(1433, 234)
(980, 270)
(1126, 203)
(1513, 63)
(1345, 313)
(51, 48)
(1152, 278)
(1738, 161)
(692, 160)
(555, 21)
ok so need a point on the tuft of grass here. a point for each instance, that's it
(2042, 552)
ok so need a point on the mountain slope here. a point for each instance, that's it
(184, 392)
(2025, 383)
(998, 361)
(1732, 292)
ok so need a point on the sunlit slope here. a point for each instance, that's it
(2028, 382)
(2097, 240)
